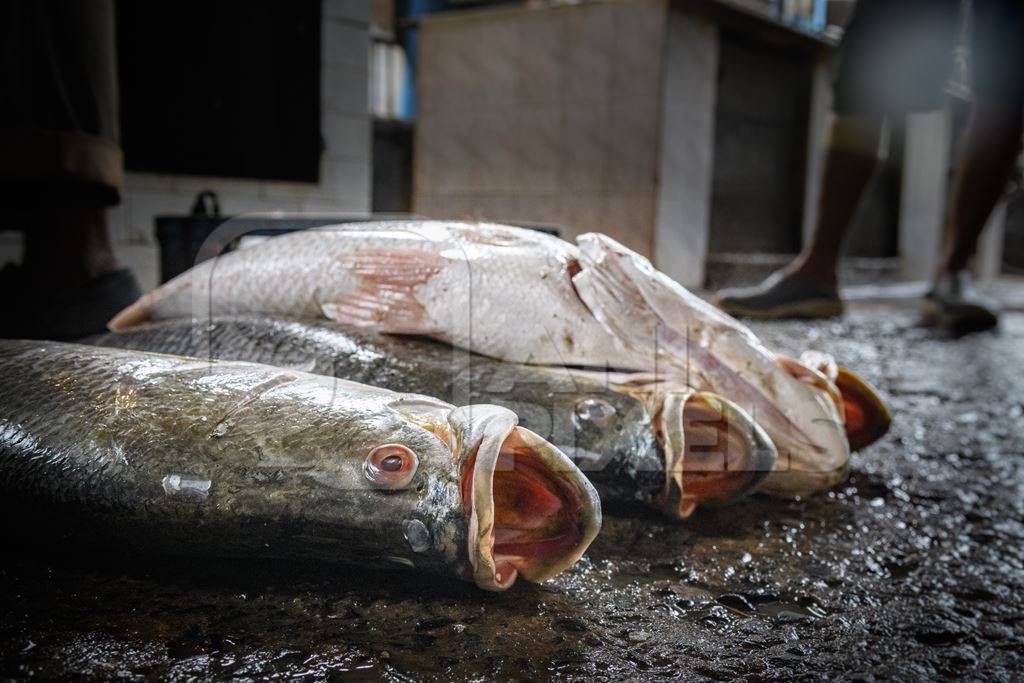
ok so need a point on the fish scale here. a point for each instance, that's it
(136, 448)
(524, 297)
(619, 448)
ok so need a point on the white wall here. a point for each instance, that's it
(687, 139)
(545, 115)
(345, 177)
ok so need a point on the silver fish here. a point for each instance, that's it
(521, 296)
(673, 449)
(241, 459)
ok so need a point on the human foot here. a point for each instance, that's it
(782, 295)
(954, 304)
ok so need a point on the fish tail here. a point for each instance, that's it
(136, 314)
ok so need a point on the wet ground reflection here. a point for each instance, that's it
(912, 568)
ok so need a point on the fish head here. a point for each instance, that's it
(530, 511)
(609, 427)
(866, 418)
(714, 451)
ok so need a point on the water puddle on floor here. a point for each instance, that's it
(770, 605)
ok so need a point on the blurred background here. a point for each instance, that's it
(691, 130)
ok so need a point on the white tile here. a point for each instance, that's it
(344, 89)
(492, 56)
(586, 147)
(539, 209)
(117, 221)
(190, 185)
(543, 52)
(320, 207)
(344, 43)
(143, 260)
(136, 180)
(633, 143)
(444, 159)
(427, 205)
(346, 136)
(537, 140)
(586, 73)
(351, 181)
(638, 46)
(238, 206)
(351, 10)
(344, 186)
(287, 192)
(492, 163)
(142, 207)
(630, 220)
(683, 206)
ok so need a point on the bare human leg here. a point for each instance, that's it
(808, 286)
(849, 166)
(991, 144)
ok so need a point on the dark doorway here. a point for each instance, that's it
(228, 88)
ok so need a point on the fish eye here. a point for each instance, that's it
(390, 466)
(595, 410)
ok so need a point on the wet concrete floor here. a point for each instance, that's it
(914, 568)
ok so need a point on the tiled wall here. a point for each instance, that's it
(345, 166)
(686, 162)
(543, 116)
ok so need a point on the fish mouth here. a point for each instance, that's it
(865, 417)
(531, 511)
(714, 451)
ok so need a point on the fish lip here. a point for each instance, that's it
(796, 482)
(759, 461)
(480, 432)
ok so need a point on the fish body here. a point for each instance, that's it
(241, 459)
(799, 407)
(521, 296)
(474, 286)
(617, 432)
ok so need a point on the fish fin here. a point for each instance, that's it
(385, 296)
(394, 268)
(867, 417)
(175, 295)
(136, 314)
(371, 311)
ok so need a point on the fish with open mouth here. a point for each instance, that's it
(238, 459)
(797, 401)
(522, 296)
(673, 449)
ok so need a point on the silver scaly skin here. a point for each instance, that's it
(239, 459)
(624, 434)
(519, 296)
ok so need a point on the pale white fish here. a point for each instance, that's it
(500, 291)
(798, 406)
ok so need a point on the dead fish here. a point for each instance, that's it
(671, 449)
(866, 418)
(241, 459)
(522, 296)
(503, 292)
(803, 418)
